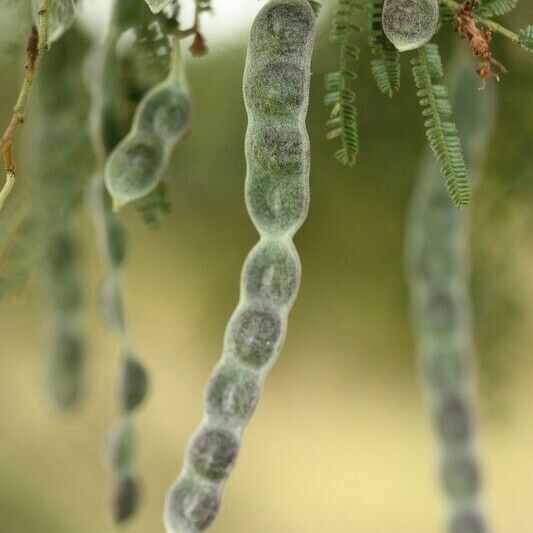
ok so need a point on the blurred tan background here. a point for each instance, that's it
(340, 441)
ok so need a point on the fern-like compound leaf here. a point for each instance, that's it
(385, 64)
(489, 8)
(440, 131)
(339, 95)
(526, 38)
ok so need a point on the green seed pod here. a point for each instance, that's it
(468, 520)
(165, 112)
(254, 335)
(444, 369)
(453, 420)
(121, 446)
(132, 384)
(136, 165)
(125, 498)
(460, 476)
(134, 168)
(66, 360)
(409, 24)
(276, 92)
(60, 179)
(110, 304)
(272, 273)
(213, 452)
(192, 505)
(117, 242)
(437, 262)
(61, 15)
(232, 394)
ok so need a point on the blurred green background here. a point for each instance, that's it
(340, 441)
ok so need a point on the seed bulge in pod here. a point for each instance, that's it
(125, 499)
(409, 24)
(191, 505)
(132, 384)
(134, 168)
(165, 112)
(254, 335)
(213, 452)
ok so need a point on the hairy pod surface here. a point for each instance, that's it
(437, 266)
(135, 167)
(409, 24)
(136, 58)
(276, 93)
(61, 178)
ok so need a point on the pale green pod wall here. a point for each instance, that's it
(409, 24)
(125, 70)
(276, 93)
(136, 165)
(62, 176)
(437, 262)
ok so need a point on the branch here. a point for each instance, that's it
(37, 44)
(490, 24)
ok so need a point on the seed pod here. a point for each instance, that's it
(66, 360)
(136, 165)
(125, 498)
(468, 520)
(61, 177)
(438, 277)
(460, 476)
(191, 505)
(61, 15)
(121, 446)
(132, 384)
(136, 58)
(409, 24)
(276, 92)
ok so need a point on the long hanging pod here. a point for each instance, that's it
(437, 264)
(276, 93)
(63, 167)
(136, 58)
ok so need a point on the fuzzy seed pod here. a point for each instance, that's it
(276, 92)
(438, 278)
(409, 24)
(125, 498)
(121, 446)
(132, 384)
(136, 165)
(468, 520)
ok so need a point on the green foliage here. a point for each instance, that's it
(489, 8)
(385, 63)
(441, 133)
(343, 116)
(526, 37)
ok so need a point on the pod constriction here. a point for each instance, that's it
(276, 93)
(409, 24)
(437, 262)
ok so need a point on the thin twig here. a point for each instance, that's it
(37, 45)
(488, 23)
